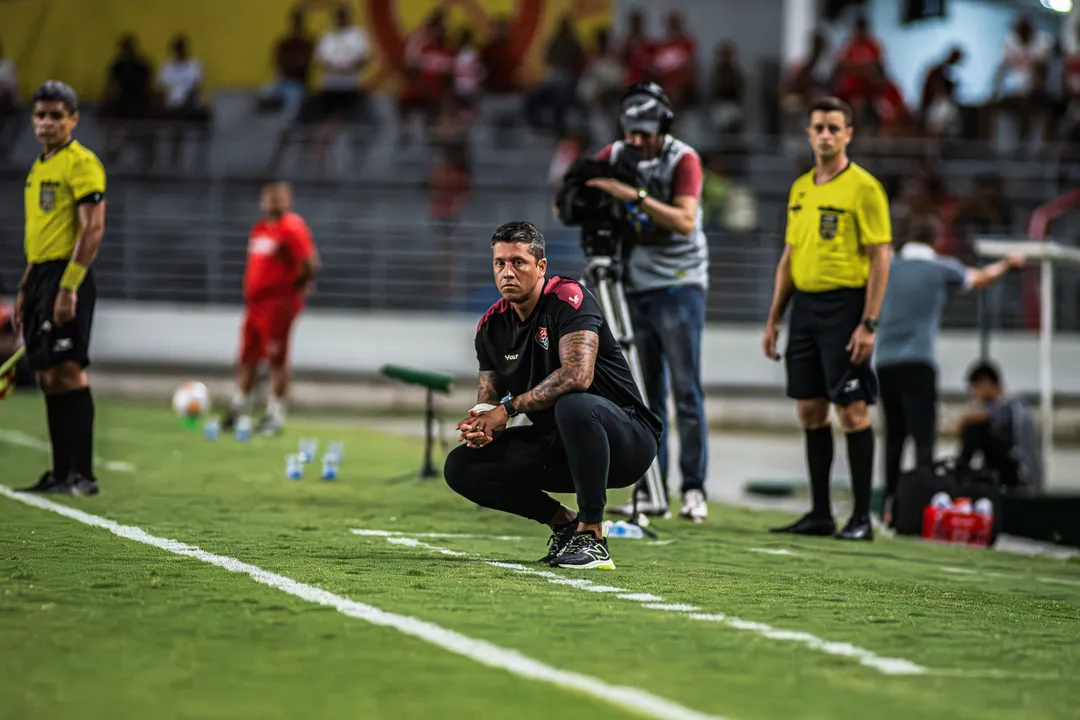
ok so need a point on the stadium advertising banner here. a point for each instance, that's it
(76, 40)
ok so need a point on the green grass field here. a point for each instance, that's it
(93, 625)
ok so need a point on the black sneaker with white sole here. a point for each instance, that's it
(561, 535)
(48, 483)
(82, 485)
(585, 552)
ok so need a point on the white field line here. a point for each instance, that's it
(15, 437)
(885, 665)
(480, 651)
(1010, 576)
(395, 533)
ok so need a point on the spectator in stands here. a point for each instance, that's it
(557, 94)
(342, 53)
(1069, 110)
(180, 82)
(601, 83)
(292, 65)
(727, 92)
(983, 211)
(429, 74)
(857, 61)
(807, 81)
(1001, 429)
(1020, 82)
(891, 115)
(500, 75)
(674, 62)
(636, 50)
(127, 103)
(9, 102)
(939, 112)
(468, 70)
(715, 187)
(450, 186)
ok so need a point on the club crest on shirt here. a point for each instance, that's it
(47, 197)
(542, 338)
(830, 224)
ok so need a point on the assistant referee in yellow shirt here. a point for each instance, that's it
(834, 270)
(54, 309)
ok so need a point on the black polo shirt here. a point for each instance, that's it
(522, 353)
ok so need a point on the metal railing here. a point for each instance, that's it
(190, 247)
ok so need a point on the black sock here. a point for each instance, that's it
(860, 449)
(59, 437)
(81, 423)
(819, 457)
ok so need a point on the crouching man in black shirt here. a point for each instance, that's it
(546, 351)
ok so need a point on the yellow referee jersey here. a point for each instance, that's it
(830, 225)
(54, 190)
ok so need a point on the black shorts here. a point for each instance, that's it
(46, 344)
(817, 360)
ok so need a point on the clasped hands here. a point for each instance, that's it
(481, 428)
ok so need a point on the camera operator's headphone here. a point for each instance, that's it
(654, 91)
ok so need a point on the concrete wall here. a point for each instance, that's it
(361, 343)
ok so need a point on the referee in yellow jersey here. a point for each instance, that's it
(833, 271)
(54, 309)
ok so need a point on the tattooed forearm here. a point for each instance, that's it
(577, 353)
(487, 390)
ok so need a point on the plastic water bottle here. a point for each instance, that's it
(212, 429)
(336, 450)
(243, 428)
(329, 467)
(307, 450)
(624, 529)
(294, 468)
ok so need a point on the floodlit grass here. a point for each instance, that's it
(96, 626)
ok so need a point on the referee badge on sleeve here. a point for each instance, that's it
(830, 224)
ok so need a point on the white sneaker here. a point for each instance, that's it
(694, 506)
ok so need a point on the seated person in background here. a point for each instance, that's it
(1002, 430)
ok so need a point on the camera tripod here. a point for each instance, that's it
(603, 276)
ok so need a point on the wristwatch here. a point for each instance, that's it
(641, 195)
(871, 324)
(508, 405)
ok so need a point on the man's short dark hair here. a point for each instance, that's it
(984, 370)
(56, 91)
(831, 104)
(520, 232)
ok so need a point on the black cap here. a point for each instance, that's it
(56, 91)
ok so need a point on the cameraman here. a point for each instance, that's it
(666, 277)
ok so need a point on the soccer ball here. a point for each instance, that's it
(191, 399)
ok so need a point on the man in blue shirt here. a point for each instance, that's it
(920, 283)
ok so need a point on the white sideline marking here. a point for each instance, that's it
(767, 551)
(16, 437)
(1011, 576)
(395, 533)
(480, 651)
(889, 666)
(886, 665)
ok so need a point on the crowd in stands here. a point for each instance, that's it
(449, 74)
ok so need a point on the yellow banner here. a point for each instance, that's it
(75, 40)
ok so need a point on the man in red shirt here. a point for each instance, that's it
(282, 264)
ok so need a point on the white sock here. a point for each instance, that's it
(275, 409)
(241, 403)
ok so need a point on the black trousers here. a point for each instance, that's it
(979, 438)
(909, 400)
(595, 445)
